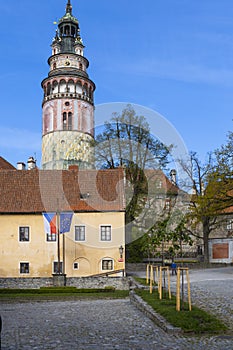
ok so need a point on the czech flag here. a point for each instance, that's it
(50, 222)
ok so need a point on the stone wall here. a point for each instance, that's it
(154, 316)
(120, 283)
(22, 283)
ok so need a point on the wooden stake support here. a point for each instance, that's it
(147, 273)
(178, 288)
(160, 285)
(150, 275)
(151, 278)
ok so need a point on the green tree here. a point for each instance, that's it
(167, 236)
(210, 197)
(126, 141)
(224, 156)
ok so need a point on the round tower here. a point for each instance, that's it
(68, 103)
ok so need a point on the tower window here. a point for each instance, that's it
(73, 31)
(69, 121)
(48, 89)
(67, 103)
(64, 121)
(67, 30)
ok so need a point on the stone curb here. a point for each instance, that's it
(149, 312)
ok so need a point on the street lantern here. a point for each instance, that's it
(121, 250)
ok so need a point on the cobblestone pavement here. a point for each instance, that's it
(91, 324)
(212, 290)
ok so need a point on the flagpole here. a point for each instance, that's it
(58, 238)
(63, 252)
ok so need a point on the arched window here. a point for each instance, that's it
(55, 87)
(85, 90)
(67, 30)
(90, 92)
(73, 31)
(78, 87)
(80, 66)
(64, 121)
(48, 89)
(54, 66)
(107, 264)
(69, 121)
(62, 86)
(71, 86)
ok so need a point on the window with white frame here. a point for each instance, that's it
(230, 224)
(51, 237)
(75, 266)
(107, 264)
(24, 234)
(105, 233)
(24, 267)
(80, 233)
(56, 268)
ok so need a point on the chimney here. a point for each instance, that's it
(21, 166)
(173, 177)
(31, 163)
(73, 167)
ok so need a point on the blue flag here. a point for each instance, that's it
(65, 221)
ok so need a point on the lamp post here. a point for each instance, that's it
(121, 260)
(121, 250)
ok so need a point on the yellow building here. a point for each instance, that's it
(93, 245)
(95, 240)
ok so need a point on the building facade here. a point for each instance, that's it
(67, 185)
(92, 244)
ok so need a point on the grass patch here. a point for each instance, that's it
(61, 293)
(196, 321)
(141, 281)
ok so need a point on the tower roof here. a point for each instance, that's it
(69, 7)
(68, 17)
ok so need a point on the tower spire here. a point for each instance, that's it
(69, 7)
(68, 103)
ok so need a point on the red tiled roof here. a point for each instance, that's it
(35, 191)
(155, 175)
(5, 165)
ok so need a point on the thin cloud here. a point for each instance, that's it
(179, 71)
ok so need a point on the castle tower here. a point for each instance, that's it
(68, 104)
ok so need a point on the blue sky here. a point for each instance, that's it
(172, 56)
